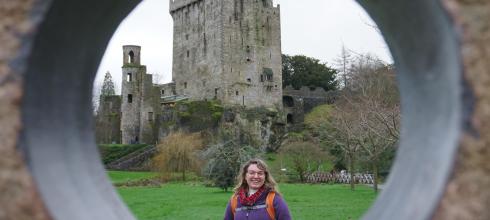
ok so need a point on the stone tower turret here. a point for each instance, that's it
(131, 95)
(131, 55)
(140, 100)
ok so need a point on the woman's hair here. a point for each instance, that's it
(269, 182)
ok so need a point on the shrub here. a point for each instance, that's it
(303, 157)
(224, 161)
(178, 152)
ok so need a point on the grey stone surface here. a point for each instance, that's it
(222, 50)
(108, 120)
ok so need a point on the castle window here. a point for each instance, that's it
(187, 53)
(150, 116)
(131, 57)
(248, 59)
(163, 92)
(129, 77)
(187, 37)
(290, 119)
(130, 98)
(185, 85)
(236, 93)
(249, 80)
(268, 73)
(216, 91)
(261, 78)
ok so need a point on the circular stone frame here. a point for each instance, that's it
(61, 57)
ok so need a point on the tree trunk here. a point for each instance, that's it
(351, 170)
(375, 175)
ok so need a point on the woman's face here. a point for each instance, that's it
(255, 177)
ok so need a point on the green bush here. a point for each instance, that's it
(224, 161)
(112, 152)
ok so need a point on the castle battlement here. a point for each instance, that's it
(178, 4)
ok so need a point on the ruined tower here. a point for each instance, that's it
(228, 50)
(138, 101)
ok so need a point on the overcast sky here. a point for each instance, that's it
(315, 28)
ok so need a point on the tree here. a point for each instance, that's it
(342, 63)
(304, 157)
(335, 126)
(301, 71)
(224, 161)
(178, 152)
(379, 115)
(362, 126)
(108, 88)
(368, 112)
(100, 92)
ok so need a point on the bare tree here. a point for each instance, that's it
(342, 64)
(373, 101)
(304, 157)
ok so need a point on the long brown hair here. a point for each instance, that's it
(269, 182)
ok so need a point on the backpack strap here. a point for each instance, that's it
(233, 202)
(269, 201)
(270, 205)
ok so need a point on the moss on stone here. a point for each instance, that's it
(199, 114)
(259, 113)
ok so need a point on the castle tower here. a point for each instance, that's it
(229, 50)
(139, 101)
(131, 95)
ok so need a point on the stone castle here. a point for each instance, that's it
(229, 51)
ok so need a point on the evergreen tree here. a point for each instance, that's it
(108, 86)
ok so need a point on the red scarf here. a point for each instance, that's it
(249, 201)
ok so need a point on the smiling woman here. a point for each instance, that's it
(256, 195)
(54, 47)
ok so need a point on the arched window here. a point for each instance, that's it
(131, 57)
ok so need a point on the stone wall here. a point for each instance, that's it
(108, 120)
(298, 102)
(228, 50)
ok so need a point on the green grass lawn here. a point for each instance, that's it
(194, 201)
(123, 176)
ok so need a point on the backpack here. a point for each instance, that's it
(268, 201)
